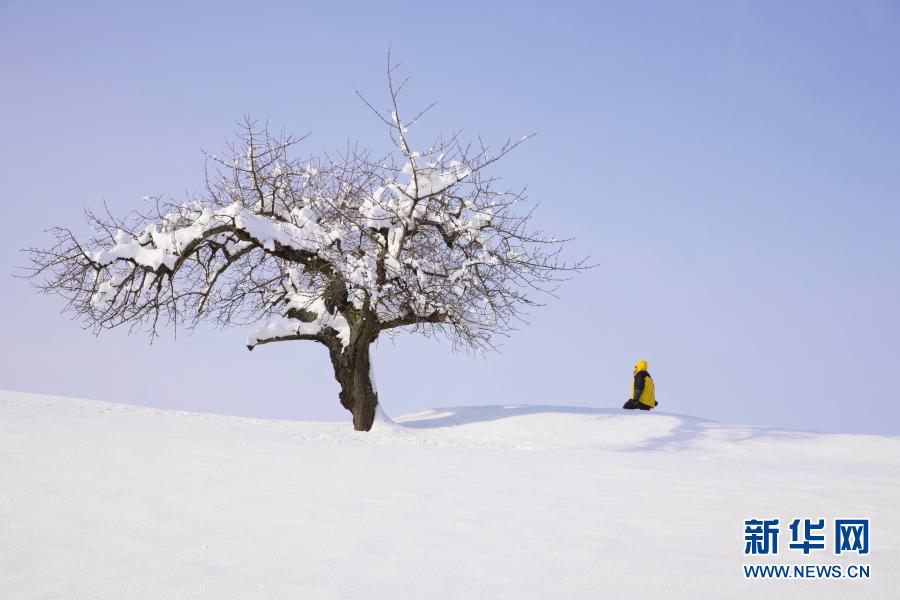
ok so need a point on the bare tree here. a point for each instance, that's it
(334, 249)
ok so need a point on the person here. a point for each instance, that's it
(643, 393)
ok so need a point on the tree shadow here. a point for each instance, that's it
(682, 430)
(464, 415)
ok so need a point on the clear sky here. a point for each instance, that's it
(733, 168)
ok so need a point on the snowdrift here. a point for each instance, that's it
(101, 500)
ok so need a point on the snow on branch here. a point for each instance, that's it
(318, 248)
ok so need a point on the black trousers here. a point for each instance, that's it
(633, 404)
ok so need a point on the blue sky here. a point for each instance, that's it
(732, 167)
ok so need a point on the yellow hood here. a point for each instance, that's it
(640, 365)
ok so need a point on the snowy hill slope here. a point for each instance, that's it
(102, 500)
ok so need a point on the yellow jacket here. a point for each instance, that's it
(643, 385)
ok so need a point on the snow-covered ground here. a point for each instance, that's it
(102, 500)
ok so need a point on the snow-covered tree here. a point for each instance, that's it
(336, 249)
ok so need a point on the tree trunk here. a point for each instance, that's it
(352, 369)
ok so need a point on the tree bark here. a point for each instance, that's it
(352, 369)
